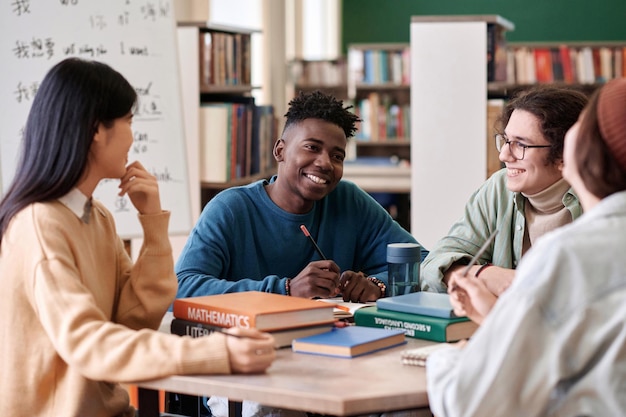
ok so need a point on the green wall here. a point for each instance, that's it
(535, 20)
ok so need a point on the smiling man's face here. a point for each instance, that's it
(310, 159)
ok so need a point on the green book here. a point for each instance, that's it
(437, 329)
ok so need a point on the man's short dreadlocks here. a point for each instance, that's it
(317, 105)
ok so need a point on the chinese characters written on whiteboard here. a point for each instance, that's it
(135, 37)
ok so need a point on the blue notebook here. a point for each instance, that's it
(424, 303)
(348, 342)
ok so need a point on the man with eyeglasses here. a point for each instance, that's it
(523, 201)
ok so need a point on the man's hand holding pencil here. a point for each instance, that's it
(317, 279)
(322, 279)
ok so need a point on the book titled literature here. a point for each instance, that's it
(253, 309)
(348, 342)
(424, 303)
(437, 329)
(282, 338)
(543, 65)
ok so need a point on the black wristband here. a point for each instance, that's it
(482, 267)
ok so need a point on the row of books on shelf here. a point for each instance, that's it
(579, 65)
(309, 326)
(236, 140)
(382, 119)
(510, 64)
(379, 66)
(319, 73)
(225, 59)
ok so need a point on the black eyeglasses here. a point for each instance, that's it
(517, 149)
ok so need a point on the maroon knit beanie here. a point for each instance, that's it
(612, 118)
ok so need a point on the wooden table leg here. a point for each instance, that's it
(148, 400)
(234, 408)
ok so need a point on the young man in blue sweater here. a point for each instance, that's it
(249, 238)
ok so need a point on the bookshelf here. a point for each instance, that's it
(583, 65)
(379, 88)
(229, 137)
(379, 85)
(450, 143)
(326, 75)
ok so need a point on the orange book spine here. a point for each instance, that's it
(133, 393)
(568, 73)
(543, 65)
(400, 125)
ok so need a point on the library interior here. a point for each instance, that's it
(428, 95)
(362, 53)
(428, 80)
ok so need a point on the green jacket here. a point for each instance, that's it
(491, 206)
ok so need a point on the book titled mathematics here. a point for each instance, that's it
(253, 309)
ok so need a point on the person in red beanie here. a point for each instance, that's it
(555, 342)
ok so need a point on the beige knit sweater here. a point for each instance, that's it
(75, 315)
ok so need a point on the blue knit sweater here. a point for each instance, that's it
(244, 242)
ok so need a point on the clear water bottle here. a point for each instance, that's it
(403, 261)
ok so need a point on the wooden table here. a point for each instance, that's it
(372, 383)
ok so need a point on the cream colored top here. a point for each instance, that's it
(544, 212)
(555, 342)
(76, 314)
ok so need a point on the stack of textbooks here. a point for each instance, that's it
(422, 315)
(285, 317)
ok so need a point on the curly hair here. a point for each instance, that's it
(557, 109)
(317, 105)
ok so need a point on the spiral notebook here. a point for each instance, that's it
(418, 356)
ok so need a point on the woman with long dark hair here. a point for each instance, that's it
(77, 316)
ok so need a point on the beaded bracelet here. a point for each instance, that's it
(484, 266)
(380, 284)
(288, 286)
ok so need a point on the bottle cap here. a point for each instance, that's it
(398, 253)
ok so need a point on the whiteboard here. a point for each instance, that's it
(135, 37)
